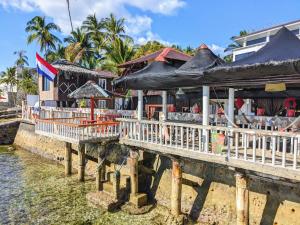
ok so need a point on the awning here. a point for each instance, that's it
(161, 75)
(277, 61)
(88, 90)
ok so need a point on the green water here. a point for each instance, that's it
(35, 191)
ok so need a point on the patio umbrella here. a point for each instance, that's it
(90, 90)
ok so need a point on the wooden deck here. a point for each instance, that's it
(269, 152)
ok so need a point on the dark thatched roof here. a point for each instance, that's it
(277, 61)
(162, 76)
(67, 68)
(88, 90)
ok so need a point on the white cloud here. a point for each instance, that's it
(218, 50)
(139, 26)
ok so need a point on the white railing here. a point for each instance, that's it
(277, 149)
(70, 130)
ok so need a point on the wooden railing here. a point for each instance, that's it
(71, 130)
(273, 148)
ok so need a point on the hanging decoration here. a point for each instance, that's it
(239, 102)
(290, 103)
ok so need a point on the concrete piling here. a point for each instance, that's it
(81, 162)
(133, 170)
(100, 173)
(242, 199)
(116, 184)
(176, 188)
(68, 159)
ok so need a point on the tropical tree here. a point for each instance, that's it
(22, 59)
(9, 78)
(80, 47)
(115, 28)
(69, 12)
(93, 26)
(41, 32)
(148, 48)
(57, 54)
(230, 47)
(117, 52)
(27, 84)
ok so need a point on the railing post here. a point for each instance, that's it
(205, 119)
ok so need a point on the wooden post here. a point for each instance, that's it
(242, 199)
(92, 103)
(176, 188)
(81, 162)
(133, 168)
(68, 159)
(230, 107)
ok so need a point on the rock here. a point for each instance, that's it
(11, 148)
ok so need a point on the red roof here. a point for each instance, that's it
(160, 55)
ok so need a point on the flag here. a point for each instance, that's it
(45, 69)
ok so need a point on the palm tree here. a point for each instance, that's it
(93, 26)
(230, 47)
(41, 32)
(57, 54)
(80, 47)
(115, 28)
(69, 12)
(9, 78)
(118, 52)
(27, 84)
(22, 59)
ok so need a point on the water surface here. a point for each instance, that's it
(35, 191)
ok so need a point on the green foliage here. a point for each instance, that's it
(148, 48)
(22, 59)
(27, 83)
(41, 32)
(9, 77)
(82, 103)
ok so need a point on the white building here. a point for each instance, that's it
(252, 42)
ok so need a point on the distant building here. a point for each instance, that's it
(70, 77)
(254, 41)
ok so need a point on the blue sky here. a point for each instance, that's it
(182, 22)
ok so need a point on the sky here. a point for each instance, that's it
(181, 22)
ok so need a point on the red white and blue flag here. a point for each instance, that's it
(45, 69)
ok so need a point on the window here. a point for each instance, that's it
(102, 83)
(102, 104)
(243, 55)
(46, 84)
(257, 41)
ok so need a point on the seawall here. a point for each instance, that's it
(8, 131)
(208, 192)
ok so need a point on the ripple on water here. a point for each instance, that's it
(35, 191)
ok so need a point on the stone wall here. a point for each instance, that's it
(208, 192)
(8, 131)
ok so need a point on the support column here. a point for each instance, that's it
(99, 173)
(205, 116)
(116, 184)
(230, 107)
(242, 199)
(68, 159)
(81, 162)
(133, 170)
(140, 105)
(164, 105)
(176, 188)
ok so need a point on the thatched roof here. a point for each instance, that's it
(88, 90)
(67, 68)
(277, 61)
